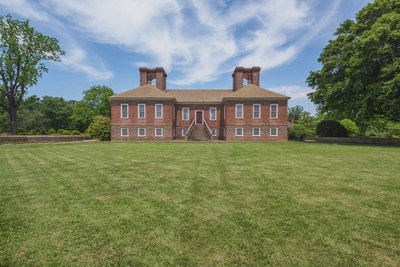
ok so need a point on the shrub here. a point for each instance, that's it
(66, 132)
(33, 132)
(51, 131)
(75, 132)
(330, 128)
(297, 132)
(350, 126)
(43, 132)
(60, 131)
(100, 128)
(21, 131)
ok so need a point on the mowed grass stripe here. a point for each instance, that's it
(199, 203)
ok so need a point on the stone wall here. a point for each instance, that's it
(357, 140)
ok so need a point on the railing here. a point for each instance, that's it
(190, 129)
(208, 129)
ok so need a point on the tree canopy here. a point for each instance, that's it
(22, 52)
(360, 74)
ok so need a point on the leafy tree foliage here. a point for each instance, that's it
(100, 128)
(22, 50)
(295, 113)
(57, 111)
(350, 126)
(330, 128)
(360, 75)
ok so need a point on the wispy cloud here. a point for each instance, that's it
(296, 92)
(199, 39)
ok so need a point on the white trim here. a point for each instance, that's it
(215, 133)
(195, 116)
(138, 106)
(215, 114)
(183, 131)
(270, 131)
(127, 111)
(155, 132)
(275, 105)
(183, 118)
(138, 132)
(162, 111)
(259, 111)
(236, 133)
(259, 131)
(127, 131)
(236, 111)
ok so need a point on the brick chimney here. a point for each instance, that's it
(252, 75)
(158, 73)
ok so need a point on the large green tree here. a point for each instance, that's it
(360, 75)
(295, 113)
(22, 52)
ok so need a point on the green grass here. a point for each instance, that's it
(199, 204)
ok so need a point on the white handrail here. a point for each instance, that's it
(189, 131)
(208, 129)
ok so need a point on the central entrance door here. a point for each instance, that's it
(199, 117)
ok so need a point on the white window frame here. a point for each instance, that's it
(183, 131)
(274, 105)
(236, 131)
(215, 132)
(259, 131)
(211, 119)
(162, 111)
(127, 111)
(270, 131)
(138, 132)
(139, 105)
(259, 111)
(127, 132)
(236, 111)
(183, 114)
(155, 132)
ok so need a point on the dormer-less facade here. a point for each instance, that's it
(243, 113)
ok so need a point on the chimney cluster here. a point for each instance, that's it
(252, 75)
(158, 73)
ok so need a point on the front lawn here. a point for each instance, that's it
(199, 204)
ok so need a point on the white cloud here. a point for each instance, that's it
(200, 39)
(294, 91)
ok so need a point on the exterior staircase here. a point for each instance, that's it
(200, 132)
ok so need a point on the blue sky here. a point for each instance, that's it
(198, 42)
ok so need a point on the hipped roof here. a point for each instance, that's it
(146, 91)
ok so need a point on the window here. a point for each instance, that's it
(256, 111)
(274, 111)
(124, 111)
(142, 111)
(239, 111)
(184, 131)
(214, 131)
(256, 131)
(124, 132)
(159, 111)
(159, 131)
(213, 114)
(185, 114)
(239, 131)
(141, 131)
(273, 132)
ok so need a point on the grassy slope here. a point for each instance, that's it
(199, 203)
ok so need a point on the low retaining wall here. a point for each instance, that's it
(357, 140)
(41, 138)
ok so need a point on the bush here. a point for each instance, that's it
(330, 128)
(297, 132)
(350, 126)
(66, 132)
(75, 132)
(33, 132)
(100, 128)
(60, 131)
(51, 131)
(21, 131)
(43, 132)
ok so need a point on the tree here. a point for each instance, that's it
(350, 126)
(57, 112)
(295, 113)
(360, 75)
(22, 50)
(100, 128)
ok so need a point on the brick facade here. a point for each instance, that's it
(226, 123)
